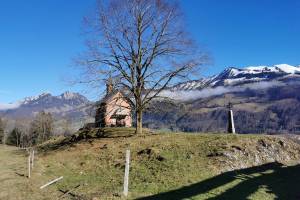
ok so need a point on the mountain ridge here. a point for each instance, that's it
(232, 76)
(228, 77)
(265, 99)
(67, 104)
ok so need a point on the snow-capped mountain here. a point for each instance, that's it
(265, 99)
(238, 76)
(231, 79)
(67, 104)
(46, 99)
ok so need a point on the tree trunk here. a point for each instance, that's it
(139, 122)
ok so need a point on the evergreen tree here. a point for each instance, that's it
(1, 131)
(14, 137)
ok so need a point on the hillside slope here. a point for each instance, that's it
(270, 110)
(265, 100)
(168, 166)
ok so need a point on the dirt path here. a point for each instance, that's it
(13, 177)
(12, 172)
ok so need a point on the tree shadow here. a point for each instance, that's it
(282, 181)
(86, 135)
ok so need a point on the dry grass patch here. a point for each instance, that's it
(160, 163)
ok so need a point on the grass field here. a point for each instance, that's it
(163, 166)
(13, 177)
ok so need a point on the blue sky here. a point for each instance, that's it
(38, 39)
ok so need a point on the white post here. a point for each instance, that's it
(29, 165)
(126, 177)
(32, 159)
(232, 122)
(51, 182)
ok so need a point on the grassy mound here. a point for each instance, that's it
(87, 134)
(208, 165)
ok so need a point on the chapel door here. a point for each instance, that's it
(120, 122)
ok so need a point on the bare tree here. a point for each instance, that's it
(19, 134)
(66, 127)
(143, 45)
(23, 125)
(9, 125)
(41, 128)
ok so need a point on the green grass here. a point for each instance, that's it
(13, 177)
(163, 166)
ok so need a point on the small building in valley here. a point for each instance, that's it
(114, 110)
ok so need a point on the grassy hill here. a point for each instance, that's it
(163, 166)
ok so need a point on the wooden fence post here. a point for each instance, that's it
(126, 177)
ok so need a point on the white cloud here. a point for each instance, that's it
(208, 92)
(7, 106)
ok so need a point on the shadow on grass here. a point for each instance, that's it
(282, 181)
(19, 174)
(87, 135)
